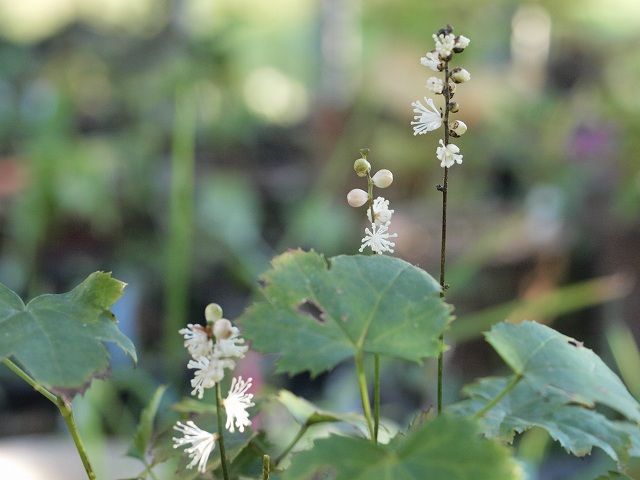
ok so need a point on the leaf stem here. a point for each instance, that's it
(266, 466)
(223, 454)
(443, 244)
(296, 439)
(65, 410)
(508, 387)
(376, 396)
(364, 393)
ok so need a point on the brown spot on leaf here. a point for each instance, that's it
(311, 308)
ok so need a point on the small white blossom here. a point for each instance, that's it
(462, 42)
(460, 75)
(444, 44)
(378, 239)
(230, 347)
(435, 84)
(236, 404)
(459, 127)
(431, 60)
(196, 340)
(209, 371)
(202, 443)
(426, 119)
(381, 212)
(448, 155)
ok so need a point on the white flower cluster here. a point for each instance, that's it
(427, 116)
(378, 237)
(209, 360)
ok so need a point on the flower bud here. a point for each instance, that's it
(213, 312)
(357, 197)
(460, 75)
(383, 178)
(454, 107)
(458, 128)
(362, 167)
(222, 329)
(462, 42)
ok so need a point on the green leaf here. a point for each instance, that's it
(614, 476)
(446, 448)
(142, 437)
(59, 338)
(576, 428)
(552, 363)
(372, 304)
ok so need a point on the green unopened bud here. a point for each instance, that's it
(383, 178)
(213, 312)
(222, 329)
(357, 197)
(362, 167)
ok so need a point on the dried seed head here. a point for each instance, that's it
(357, 197)
(383, 178)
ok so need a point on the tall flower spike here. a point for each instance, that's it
(378, 239)
(426, 119)
(201, 441)
(196, 341)
(236, 404)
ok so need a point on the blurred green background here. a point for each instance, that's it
(181, 144)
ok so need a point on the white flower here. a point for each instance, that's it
(460, 75)
(209, 371)
(444, 44)
(202, 443)
(236, 404)
(196, 340)
(230, 347)
(425, 120)
(381, 212)
(462, 42)
(448, 155)
(431, 60)
(378, 239)
(435, 84)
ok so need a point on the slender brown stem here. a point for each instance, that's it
(443, 244)
(65, 410)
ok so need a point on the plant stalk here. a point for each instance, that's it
(266, 466)
(364, 393)
(508, 387)
(376, 396)
(443, 244)
(296, 439)
(65, 410)
(223, 454)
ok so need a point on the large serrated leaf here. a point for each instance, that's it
(576, 428)
(372, 304)
(550, 362)
(447, 448)
(59, 338)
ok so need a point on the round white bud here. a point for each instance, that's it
(212, 312)
(459, 127)
(222, 329)
(357, 197)
(383, 178)
(362, 167)
(460, 75)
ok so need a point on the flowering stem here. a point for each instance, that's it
(223, 454)
(443, 244)
(370, 201)
(364, 394)
(376, 396)
(296, 439)
(266, 466)
(65, 410)
(514, 381)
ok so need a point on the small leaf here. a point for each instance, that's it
(59, 338)
(191, 405)
(142, 437)
(316, 316)
(447, 448)
(552, 363)
(576, 428)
